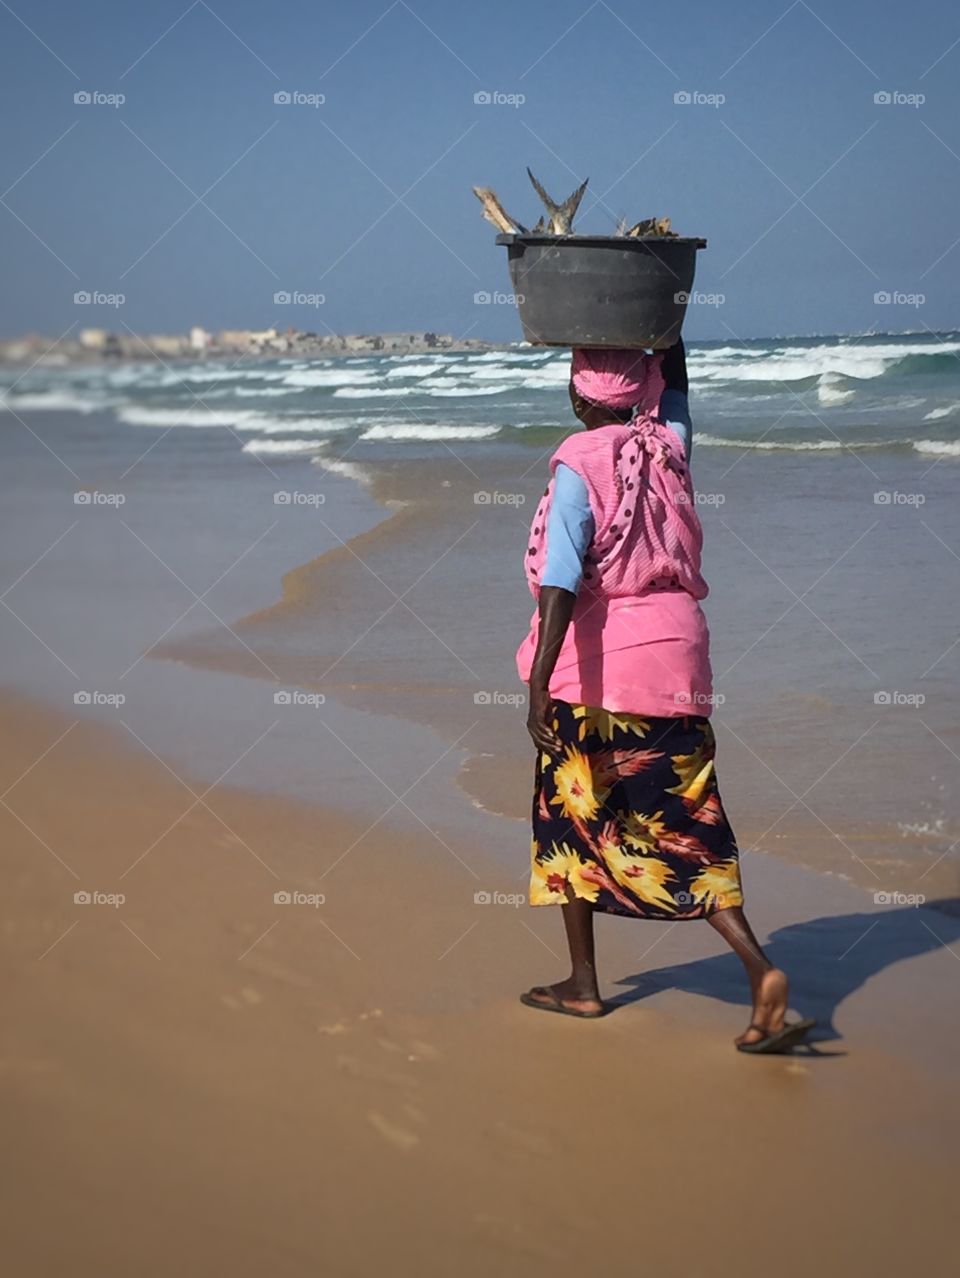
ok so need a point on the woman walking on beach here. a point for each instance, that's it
(627, 817)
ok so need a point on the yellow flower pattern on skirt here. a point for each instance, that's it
(628, 817)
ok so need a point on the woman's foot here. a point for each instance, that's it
(570, 995)
(770, 997)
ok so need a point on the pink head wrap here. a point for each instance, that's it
(618, 378)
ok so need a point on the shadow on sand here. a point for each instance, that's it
(827, 959)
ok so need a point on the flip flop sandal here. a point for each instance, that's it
(552, 1004)
(784, 1040)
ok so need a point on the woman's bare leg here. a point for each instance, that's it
(580, 991)
(768, 985)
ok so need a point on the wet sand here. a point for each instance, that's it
(199, 1078)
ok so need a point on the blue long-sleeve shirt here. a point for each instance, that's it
(570, 524)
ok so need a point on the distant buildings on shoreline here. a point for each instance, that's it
(92, 345)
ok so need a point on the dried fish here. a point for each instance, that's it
(494, 211)
(560, 220)
(561, 215)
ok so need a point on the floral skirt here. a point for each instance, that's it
(628, 816)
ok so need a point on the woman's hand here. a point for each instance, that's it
(540, 721)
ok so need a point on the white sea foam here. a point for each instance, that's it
(238, 419)
(335, 376)
(938, 447)
(283, 447)
(830, 392)
(349, 470)
(791, 363)
(137, 415)
(427, 431)
(375, 392)
(798, 446)
(50, 402)
(414, 370)
(937, 414)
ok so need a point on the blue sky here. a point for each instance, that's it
(199, 197)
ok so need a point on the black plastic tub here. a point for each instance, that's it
(601, 290)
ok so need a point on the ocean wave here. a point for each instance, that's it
(830, 392)
(798, 446)
(282, 447)
(414, 370)
(426, 431)
(376, 392)
(238, 419)
(946, 410)
(938, 447)
(330, 376)
(350, 470)
(862, 361)
(50, 402)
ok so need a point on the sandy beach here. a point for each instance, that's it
(200, 1077)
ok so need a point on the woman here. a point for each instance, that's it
(627, 817)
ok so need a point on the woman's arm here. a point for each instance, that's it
(556, 609)
(570, 527)
(674, 368)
